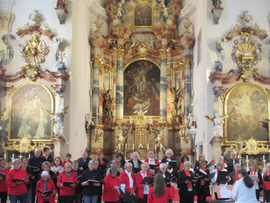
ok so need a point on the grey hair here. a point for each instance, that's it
(44, 174)
(163, 165)
(127, 164)
(16, 161)
(135, 153)
(115, 161)
(112, 170)
(169, 151)
(186, 163)
(91, 162)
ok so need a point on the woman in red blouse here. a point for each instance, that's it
(152, 161)
(16, 182)
(266, 184)
(45, 184)
(67, 193)
(160, 193)
(111, 184)
(142, 190)
(3, 185)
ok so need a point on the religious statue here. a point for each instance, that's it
(3, 114)
(61, 3)
(217, 3)
(133, 43)
(120, 11)
(164, 11)
(218, 124)
(246, 18)
(88, 120)
(57, 119)
(107, 104)
(175, 101)
(121, 141)
(61, 56)
(159, 140)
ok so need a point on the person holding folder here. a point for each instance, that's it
(3, 185)
(160, 193)
(45, 184)
(266, 183)
(67, 192)
(127, 180)
(153, 163)
(197, 163)
(233, 175)
(142, 189)
(17, 190)
(202, 185)
(171, 162)
(254, 173)
(186, 184)
(111, 186)
(90, 181)
(136, 163)
(219, 181)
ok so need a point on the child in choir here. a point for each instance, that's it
(202, 185)
(46, 166)
(257, 182)
(160, 193)
(186, 186)
(142, 190)
(68, 159)
(3, 185)
(152, 161)
(78, 189)
(17, 190)
(266, 183)
(127, 178)
(90, 189)
(111, 185)
(67, 193)
(45, 184)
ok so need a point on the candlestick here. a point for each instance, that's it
(246, 157)
(147, 146)
(12, 156)
(5, 156)
(133, 147)
(125, 146)
(263, 157)
(155, 146)
(29, 156)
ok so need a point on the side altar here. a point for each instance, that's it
(141, 70)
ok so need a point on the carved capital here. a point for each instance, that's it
(120, 53)
(164, 53)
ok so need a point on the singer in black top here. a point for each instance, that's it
(83, 161)
(202, 185)
(171, 162)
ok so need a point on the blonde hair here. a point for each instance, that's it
(46, 163)
(145, 164)
(135, 153)
(68, 165)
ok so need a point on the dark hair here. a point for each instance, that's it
(159, 185)
(203, 162)
(45, 149)
(246, 178)
(68, 155)
(184, 156)
(122, 162)
(59, 160)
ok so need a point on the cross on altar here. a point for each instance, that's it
(140, 134)
(20, 156)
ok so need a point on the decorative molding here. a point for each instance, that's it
(6, 21)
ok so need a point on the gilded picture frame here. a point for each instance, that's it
(27, 112)
(143, 16)
(149, 71)
(246, 105)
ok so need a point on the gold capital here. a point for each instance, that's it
(120, 53)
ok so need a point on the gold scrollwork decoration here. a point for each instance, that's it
(98, 22)
(30, 71)
(120, 53)
(164, 53)
(142, 50)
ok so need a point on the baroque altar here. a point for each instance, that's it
(141, 80)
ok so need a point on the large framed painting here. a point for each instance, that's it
(141, 87)
(143, 15)
(246, 106)
(30, 105)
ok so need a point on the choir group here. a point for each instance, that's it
(42, 178)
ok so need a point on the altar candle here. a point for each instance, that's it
(133, 147)
(155, 146)
(125, 146)
(246, 157)
(12, 156)
(5, 156)
(29, 156)
(147, 146)
(263, 157)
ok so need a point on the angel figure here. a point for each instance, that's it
(57, 119)
(140, 112)
(246, 18)
(88, 120)
(120, 11)
(60, 59)
(218, 124)
(165, 12)
(159, 140)
(133, 43)
(121, 141)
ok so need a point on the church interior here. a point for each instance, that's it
(120, 76)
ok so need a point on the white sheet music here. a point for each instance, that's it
(224, 192)
(123, 188)
(253, 177)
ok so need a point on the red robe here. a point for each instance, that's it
(125, 180)
(139, 186)
(67, 191)
(156, 163)
(169, 194)
(13, 187)
(3, 184)
(51, 186)
(110, 194)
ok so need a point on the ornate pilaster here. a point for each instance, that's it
(119, 84)
(163, 81)
(187, 96)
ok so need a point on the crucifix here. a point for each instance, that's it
(140, 134)
(21, 156)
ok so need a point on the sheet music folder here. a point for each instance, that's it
(148, 180)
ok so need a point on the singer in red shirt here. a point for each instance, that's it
(3, 185)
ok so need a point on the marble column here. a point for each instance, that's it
(163, 81)
(95, 103)
(187, 95)
(119, 84)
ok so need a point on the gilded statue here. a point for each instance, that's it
(121, 141)
(107, 104)
(175, 101)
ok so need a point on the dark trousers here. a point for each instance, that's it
(144, 200)
(66, 199)
(201, 195)
(188, 198)
(111, 202)
(33, 188)
(15, 198)
(266, 194)
(3, 197)
(258, 194)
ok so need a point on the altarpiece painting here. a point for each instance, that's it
(141, 88)
(143, 15)
(28, 116)
(246, 106)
